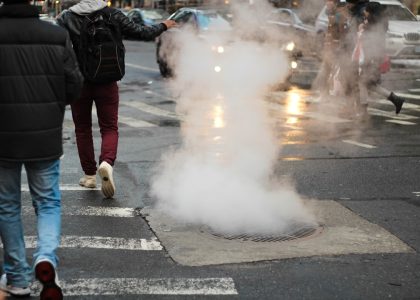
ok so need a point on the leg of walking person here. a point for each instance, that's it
(396, 100)
(82, 117)
(376, 87)
(44, 185)
(15, 266)
(322, 81)
(107, 101)
(43, 180)
(367, 79)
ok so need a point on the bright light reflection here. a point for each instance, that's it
(292, 120)
(220, 49)
(218, 114)
(217, 69)
(294, 104)
(294, 65)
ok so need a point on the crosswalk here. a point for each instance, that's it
(122, 286)
(382, 108)
(131, 117)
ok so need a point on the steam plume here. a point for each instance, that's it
(222, 175)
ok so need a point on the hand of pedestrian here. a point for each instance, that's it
(170, 23)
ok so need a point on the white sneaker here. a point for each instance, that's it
(108, 187)
(13, 290)
(46, 274)
(88, 181)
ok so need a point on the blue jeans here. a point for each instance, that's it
(43, 181)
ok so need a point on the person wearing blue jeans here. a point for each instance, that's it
(39, 76)
(43, 180)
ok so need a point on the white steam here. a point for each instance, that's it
(222, 175)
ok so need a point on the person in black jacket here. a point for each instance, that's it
(105, 93)
(39, 75)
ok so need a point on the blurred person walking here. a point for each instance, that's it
(349, 73)
(96, 31)
(333, 42)
(39, 75)
(370, 55)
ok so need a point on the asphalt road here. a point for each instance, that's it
(370, 166)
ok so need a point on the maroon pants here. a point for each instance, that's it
(106, 101)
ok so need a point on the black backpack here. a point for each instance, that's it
(101, 51)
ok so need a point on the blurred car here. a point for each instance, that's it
(289, 22)
(199, 20)
(403, 38)
(147, 16)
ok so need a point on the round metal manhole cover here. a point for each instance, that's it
(293, 232)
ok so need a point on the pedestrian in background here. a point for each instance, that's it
(350, 69)
(96, 31)
(39, 75)
(370, 54)
(336, 31)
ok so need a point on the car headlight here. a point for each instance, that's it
(218, 49)
(290, 46)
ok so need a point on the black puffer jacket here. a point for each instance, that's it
(38, 77)
(73, 23)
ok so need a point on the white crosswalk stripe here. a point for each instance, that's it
(152, 109)
(65, 187)
(135, 123)
(100, 242)
(92, 211)
(146, 286)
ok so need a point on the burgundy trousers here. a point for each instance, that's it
(106, 100)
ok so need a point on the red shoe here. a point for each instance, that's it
(45, 273)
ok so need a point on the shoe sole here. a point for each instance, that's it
(6, 291)
(45, 273)
(87, 186)
(108, 187)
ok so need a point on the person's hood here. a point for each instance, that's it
(86, 7)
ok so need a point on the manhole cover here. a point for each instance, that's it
(292, 233)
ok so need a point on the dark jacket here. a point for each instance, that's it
(73, 23)
(38, 77)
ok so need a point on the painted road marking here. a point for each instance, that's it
(414, 91)
(141, 67)
(406, 105)
(145, 286)
(65, 187)
(152, 109)
(134, 122)
(387, 114)
(130, 121)
(99, 242)
(409, 96)
(417, 194)
(93, 211)
(401, 122)
(359, 144)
